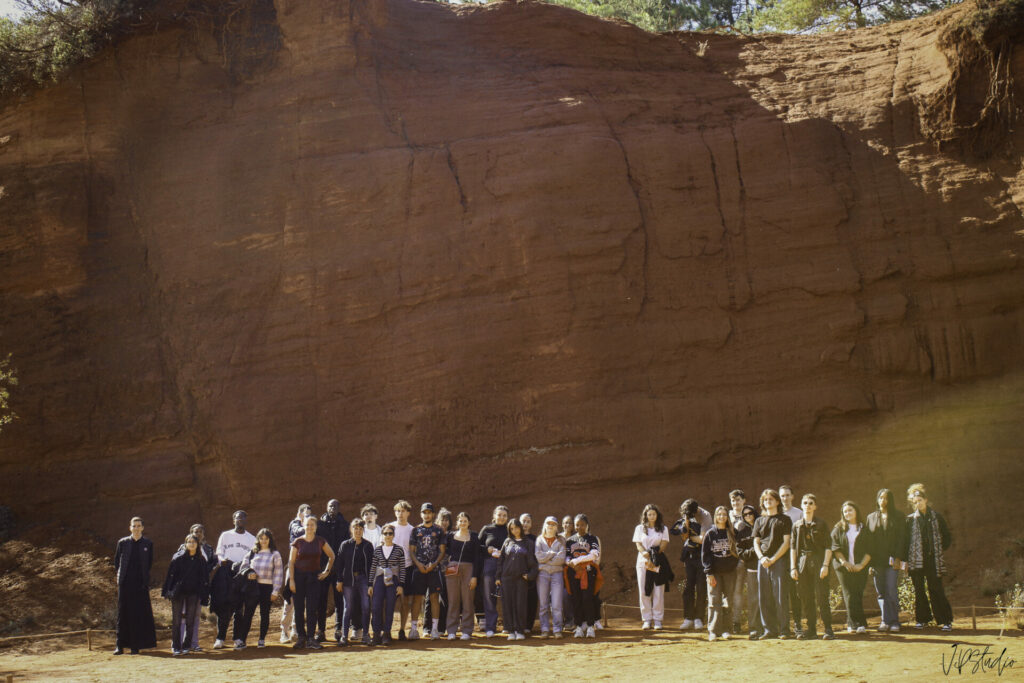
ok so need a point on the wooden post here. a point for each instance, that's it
(10, 678)
(88, 638)
(604, 614)
(974, 617)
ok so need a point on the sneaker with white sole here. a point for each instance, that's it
(712, 637)
(511, 636)
(239, 644)
(947, 627)
(590, 632)
(698, 625)
(725, 636)
(558, 634)
(686, 625)
(261, 643)
(520, 636)
(545, 634)
(657, 626)
(218, 644)
(598, 625)
(861, 629)
(284, 637)
(578, 633)
(489, 634)
(452, 636)
(882, 628)
(895, 628)
(413, 633)
(465, 636)
(434, 635)
(646, 626)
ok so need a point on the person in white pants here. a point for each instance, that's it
(650, 533)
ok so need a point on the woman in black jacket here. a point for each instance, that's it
(851, 555)
(352, 567)
(888, 528)
(928, 539)
(186, 585)
(517, 565)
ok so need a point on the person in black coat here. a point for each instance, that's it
(928, 539)
(889, 530)
(334, 528)
(851, 555)
(186, 585)
(133, 560)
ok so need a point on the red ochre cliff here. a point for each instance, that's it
(511, 254)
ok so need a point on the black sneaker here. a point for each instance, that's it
(401, 636)
(299, 644)
(313, 645)
(829, 636)
(376, 641)
(320, 637)
(342, 642)
(386, 640)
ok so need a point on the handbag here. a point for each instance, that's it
(453, 569)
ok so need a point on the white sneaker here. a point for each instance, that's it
(465, 636)
(545, 634)
(413, 633)
(598, 625)
(882, 628)
(895, 628)
(511, 636)
(646, 626)
(452, 636)
(861, 629)
(434, 635)
(590, 632)
(725, 636)
(698, 624)
(686, 625)
(357, 634)
(711, 636)
(490, 634)
(239, 644)
(520, 636)
(850, 630)
(284, 637)
(657, 626)
(218, 644)
(578, 633)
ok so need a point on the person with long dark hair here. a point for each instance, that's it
(306, 575)
(889, 530)
(517, 565)
(268, 572)
(810, 556)
(772, 533)
(583, 577)
(352, 576)
(465, 558)
(928, 539)
(695, 595)
(185, 585)
(650, 538)
(492, 537)
(851, 555)
(719, 557)
(387, 579)
(749, 566)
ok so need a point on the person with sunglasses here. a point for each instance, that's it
(387, 578)
(355, 560)
(748, 569)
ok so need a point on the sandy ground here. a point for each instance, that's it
(621, 652)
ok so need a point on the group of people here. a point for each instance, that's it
(776, 560)
(448, 572)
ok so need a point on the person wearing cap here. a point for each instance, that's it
(550, 551)
(426, 548)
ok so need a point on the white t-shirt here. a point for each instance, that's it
(386, 551)
(372, 535)
(402, 536)
(851, 535)
(648, 538)
(233, 546)
(795, 514)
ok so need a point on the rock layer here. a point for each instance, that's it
(506, 253)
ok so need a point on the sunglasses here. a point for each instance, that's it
(748, 514)
(388, 533)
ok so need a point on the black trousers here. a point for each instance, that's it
(795, 600)
(326, 590)
(513, 601)
(307, 597)
(584, 603)
(261, 599)
(224, 615)
(852, 585)
(531, 604)
(939, 607)
(695, 590)
(813, 589)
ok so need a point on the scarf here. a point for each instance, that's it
(916, 554)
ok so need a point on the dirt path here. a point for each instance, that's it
(617, 654)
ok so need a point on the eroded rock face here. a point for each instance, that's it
(504, 254)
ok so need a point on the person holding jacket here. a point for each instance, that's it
(185, 585)
(650, 534)
(719, 557)
(492, 537)
(928, 539)
(583, 576)
(352, 575)
(851, 555)
(465, 558)
(516, 567)
(888, 528)
(264, 566)
(550, 551)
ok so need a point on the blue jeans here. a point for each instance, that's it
(490, 602)
(550, 590)
(773, 597)
(383, 607)
(886, 581)
(356, 591)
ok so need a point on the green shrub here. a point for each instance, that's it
(1011, 605)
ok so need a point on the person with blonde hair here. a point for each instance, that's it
(928, 539)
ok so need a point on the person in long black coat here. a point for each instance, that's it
(133, 559)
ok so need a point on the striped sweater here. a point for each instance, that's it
(396, 563)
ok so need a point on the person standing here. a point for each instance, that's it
(492, 537)
(750, 567)
(304, 568)
(133, 559)
(718, 557)
(888, 530)
(333, 527)
(526, 519)
(208, 554)
(263, 565)
(352, 569)
(426, 547)
(650, 534)
(809, 558)
(465, 557)
(851, 555)
(403, 532)
(772, 533)
(795, 514)
(550, 551)
(387, 576)
(232, 546)
(517, 564)
(695, 591)
(371, 530)
(296, 529)
(185, 584)
(928, 539)
(737, 500)
(568, 529)
(583, 577)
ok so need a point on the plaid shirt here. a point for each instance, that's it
(269, 568)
